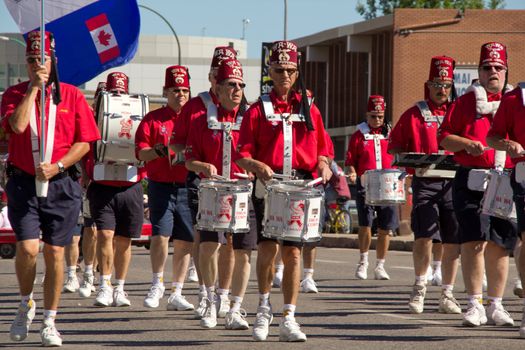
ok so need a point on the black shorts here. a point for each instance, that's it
(245, 241)
(518, 190)
(474, 226)
(192, 185)
(432, 211)
(387, 216)
(118, 209)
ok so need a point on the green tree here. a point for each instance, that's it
(372, 8)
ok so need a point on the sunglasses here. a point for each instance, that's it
(178, 91)
(375, 116)
(290, 71)
(236, 85)
(496, 68)
(437, 85)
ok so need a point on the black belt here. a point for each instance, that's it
(13, 171)
(171, 184)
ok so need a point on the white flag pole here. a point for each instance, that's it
(42, 186)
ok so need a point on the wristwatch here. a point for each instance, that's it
(61, 167)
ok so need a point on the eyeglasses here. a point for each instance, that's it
(496, 68)
(183, 91)
(375, 116)
(290, 71)
(32, 60)
(236, 85)
(437, 85)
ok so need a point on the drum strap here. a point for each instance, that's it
(365, 130)
(427, 115)
(50, 136)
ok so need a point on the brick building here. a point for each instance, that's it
(390, 55)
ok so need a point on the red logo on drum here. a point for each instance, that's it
(225, 204)
(125, 130)
(297, 213)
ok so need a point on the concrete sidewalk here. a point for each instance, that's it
(334, 240)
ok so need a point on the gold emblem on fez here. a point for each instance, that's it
(443, 72)
(494, 55)
(283, 55)
(378, 108)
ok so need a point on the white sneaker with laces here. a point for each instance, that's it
(518, 288)
(156, 292)
(72, 284)
(24, 318)
(261, 326)
(448, 304)
(497, 315)
(361, 272)
(178, 303)
(209, 319)
(236, 320)
(308, 285)
(88, 285)
(290, 331)
(277, 279)
(380, 273)
(192, 274)
(417, 299)
(120, 298)
(475, 315)
(522, 326)
(49, 334)
(104, 296)
(223, 305)
(199, 310)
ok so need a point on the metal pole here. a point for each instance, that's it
(169, 25)
(285, 18)
(41, 187)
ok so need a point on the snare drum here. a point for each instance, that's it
(223, 205)
(497, 200)
(384, 187)
(118, 117)
(293, 212)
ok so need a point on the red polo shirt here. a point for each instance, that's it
(74, 123)
(157, 127)
(263, 140)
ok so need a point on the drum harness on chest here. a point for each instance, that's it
(225, 127)
(50, 135)
(365, 130)
(287, 120)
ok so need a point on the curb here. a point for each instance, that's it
(332, 240)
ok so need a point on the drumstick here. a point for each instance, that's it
(242, 175)
(281, 176)
(314, 182)
(219, 177)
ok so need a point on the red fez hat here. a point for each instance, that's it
(493, 52)
(117, 81)
(441, 67)
(229, 69)
(177, 76)
(101, 86)
(283, 52)
(376, 104)
(222, 53)
(33, 43)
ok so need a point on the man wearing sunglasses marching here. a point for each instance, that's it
(277, 135)
(486, 241)
(167, 193)
(433, 215)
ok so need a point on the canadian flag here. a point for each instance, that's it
(103, 38)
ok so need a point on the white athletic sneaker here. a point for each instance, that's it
(518, 288)
(199, 310)
(209, 319)
(49, 333)
(261, 326)
(236, 320)
(71, 285)
(178, 303)
(120, 298)
(497, 315)
(88, 286)
(277, 279)
(475, 315)
(437, 279)
(104, 296)
(417, 299)
(156, 292)
(380, 273)
(308, 285)
(24, 318)
(429, 275)
(448, 304)
(223, 305)
(361, 272)
(289, 330)
(522, 327)
(192, 276)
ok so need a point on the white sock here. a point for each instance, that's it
(202, 288)
(88, 269)
(494, 300)
(176, 287)
(363, 258)
(421, 280)
(308, 273)
(120, 285)
(158, 278)
(106, 281)
(475, 298)
(50, 314)
(221, 291)
(289, 310)
(380, 263)
(436, 266)
(447, 288)
(72, 271)
(210, 292)
(25, 298)
(264, 299)
(279, 268)
(235, 304)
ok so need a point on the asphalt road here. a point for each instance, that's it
(346, 313)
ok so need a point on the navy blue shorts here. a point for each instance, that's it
(518, 190)
(192, 186)
(432, 211)
(474, 226)
(55, 215)
(118, 209)
(387, 216)
(169, 211)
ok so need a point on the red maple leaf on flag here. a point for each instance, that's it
(104, 38)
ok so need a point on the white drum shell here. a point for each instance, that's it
(224, 206)
(498, 198)
(293, 212)
(383, 187)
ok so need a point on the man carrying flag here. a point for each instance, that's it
(70, 127)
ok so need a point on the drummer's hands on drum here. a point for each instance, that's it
(514, 149)
(46, 171)
(209, 170)
(475, 148)
(263, 172)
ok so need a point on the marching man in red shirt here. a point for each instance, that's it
(55, 215)
(167, 194)
(486, 241)
(363, 155)
(416, 131)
